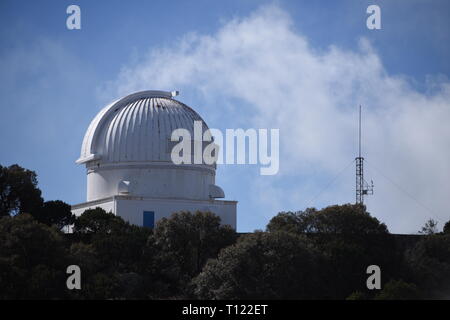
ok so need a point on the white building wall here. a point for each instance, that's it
(150, 181)
(131, 209)
(108, 205)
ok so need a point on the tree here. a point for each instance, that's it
(55, 213)
(162, 272)
(118, 244)
(18, 191)
(189, 240)
(278, 265)
(345, 219)
(358, 295)
(429, 261)
(447, 228)
(430, 227)
(111, 255)
(193, 238)
(86, 257)
(96, 220)
(350, 239)
(398, 290)
(97, 281)
(33, 260)
(297, 222)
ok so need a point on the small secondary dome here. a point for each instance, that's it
(137, 128)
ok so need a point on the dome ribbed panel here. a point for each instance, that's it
(140, 130)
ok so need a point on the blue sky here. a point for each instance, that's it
(318, 56)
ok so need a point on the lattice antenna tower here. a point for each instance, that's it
(362, 187)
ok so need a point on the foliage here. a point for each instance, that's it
(97, 221)
(358, 295)
(118, 244)
(302, 255)
(430, 227)
(276, 265)
(32, 259)
(189, 240)
(346, 219)
(398, 290)
(18, 191)
(350, 240)
(430, 264)
(447, 228)
(54, 213)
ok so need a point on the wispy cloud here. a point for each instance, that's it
(263, 73)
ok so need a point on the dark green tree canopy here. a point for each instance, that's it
(97, 221)
(54, 213)
(338, 219)
(277, 265)
(447, 228)
(32, 259)
(117, 243)
(430, 264)
(18, 191)
(430, 227)
(192, 238)
(306, 254)
(348, 237)
(399, 290)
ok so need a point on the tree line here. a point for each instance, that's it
(310, 254)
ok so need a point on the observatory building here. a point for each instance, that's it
(127, 154)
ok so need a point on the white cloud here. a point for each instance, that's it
(280, 81)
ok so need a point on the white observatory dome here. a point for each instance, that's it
(127, 148)
(137, 128)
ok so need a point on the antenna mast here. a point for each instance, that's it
(362, 187)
